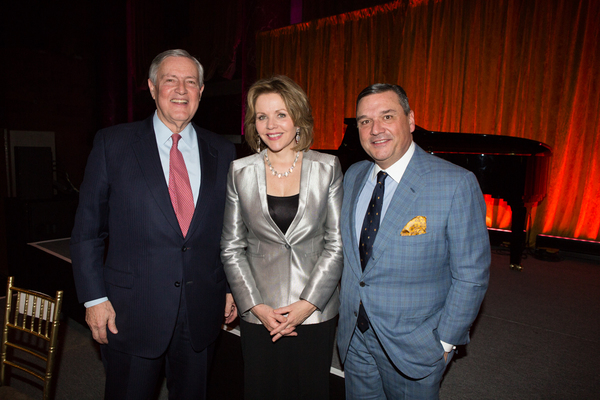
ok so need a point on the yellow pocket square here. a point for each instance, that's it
(416, 226)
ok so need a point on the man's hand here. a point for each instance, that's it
(296, 314)
(230, 309)
(100, 316)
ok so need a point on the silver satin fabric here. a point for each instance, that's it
(263, 265)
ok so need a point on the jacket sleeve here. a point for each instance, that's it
(91, 226)
(470, 258)
(233, 251)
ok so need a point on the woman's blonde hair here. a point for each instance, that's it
(297, 105)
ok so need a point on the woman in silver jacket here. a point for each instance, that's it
(282, 248)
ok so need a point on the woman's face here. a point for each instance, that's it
(273, 122)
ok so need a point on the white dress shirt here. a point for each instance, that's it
(188, 146)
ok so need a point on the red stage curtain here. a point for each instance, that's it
(526, 68)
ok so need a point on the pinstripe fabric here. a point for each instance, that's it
(124, 196)
(180, 189)
(417, 290)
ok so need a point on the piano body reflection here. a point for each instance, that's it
(509, 168)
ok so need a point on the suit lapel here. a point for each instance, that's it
(261, 179)
(305, 179)
(360, 180)
(406, 194)
(208, 170)
(146, 152)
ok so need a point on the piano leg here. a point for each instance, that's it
(517, 235)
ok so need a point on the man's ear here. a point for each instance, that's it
(152, 89)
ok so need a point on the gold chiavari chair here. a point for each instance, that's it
(31, 318)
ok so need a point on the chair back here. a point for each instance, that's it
(30, 315)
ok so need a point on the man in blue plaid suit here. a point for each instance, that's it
(418, 289)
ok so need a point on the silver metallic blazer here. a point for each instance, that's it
(263, 265)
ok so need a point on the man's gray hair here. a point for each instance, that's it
(152, 74)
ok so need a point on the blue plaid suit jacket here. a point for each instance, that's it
(417, 290)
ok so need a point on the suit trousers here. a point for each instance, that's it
(371, 375)
(136, 378)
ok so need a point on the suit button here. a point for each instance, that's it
(355, 314)
(362, 284)
(177, 284)
(287, 246)
(184, 248)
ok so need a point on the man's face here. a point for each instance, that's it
(177, 92)
(385, 131)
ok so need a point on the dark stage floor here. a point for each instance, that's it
(537, 336)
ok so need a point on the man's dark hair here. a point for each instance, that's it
(386, 87)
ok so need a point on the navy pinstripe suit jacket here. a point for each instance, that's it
(149, 264)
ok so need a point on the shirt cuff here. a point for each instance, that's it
(91, 303)
(447, 346)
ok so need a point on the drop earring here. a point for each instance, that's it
(297, 135)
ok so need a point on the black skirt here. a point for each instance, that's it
(293, 368)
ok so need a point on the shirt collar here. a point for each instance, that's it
(163, 133)
(396, 170)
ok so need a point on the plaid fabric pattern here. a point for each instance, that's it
(417, 290)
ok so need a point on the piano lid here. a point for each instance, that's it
(472, 143)
(507, 167)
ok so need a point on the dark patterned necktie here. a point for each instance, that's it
(367, 237)
(371, 221)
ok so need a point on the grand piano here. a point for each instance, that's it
(509, 168)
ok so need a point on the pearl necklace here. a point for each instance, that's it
(279, 174)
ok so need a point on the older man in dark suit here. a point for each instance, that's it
(156, 189)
